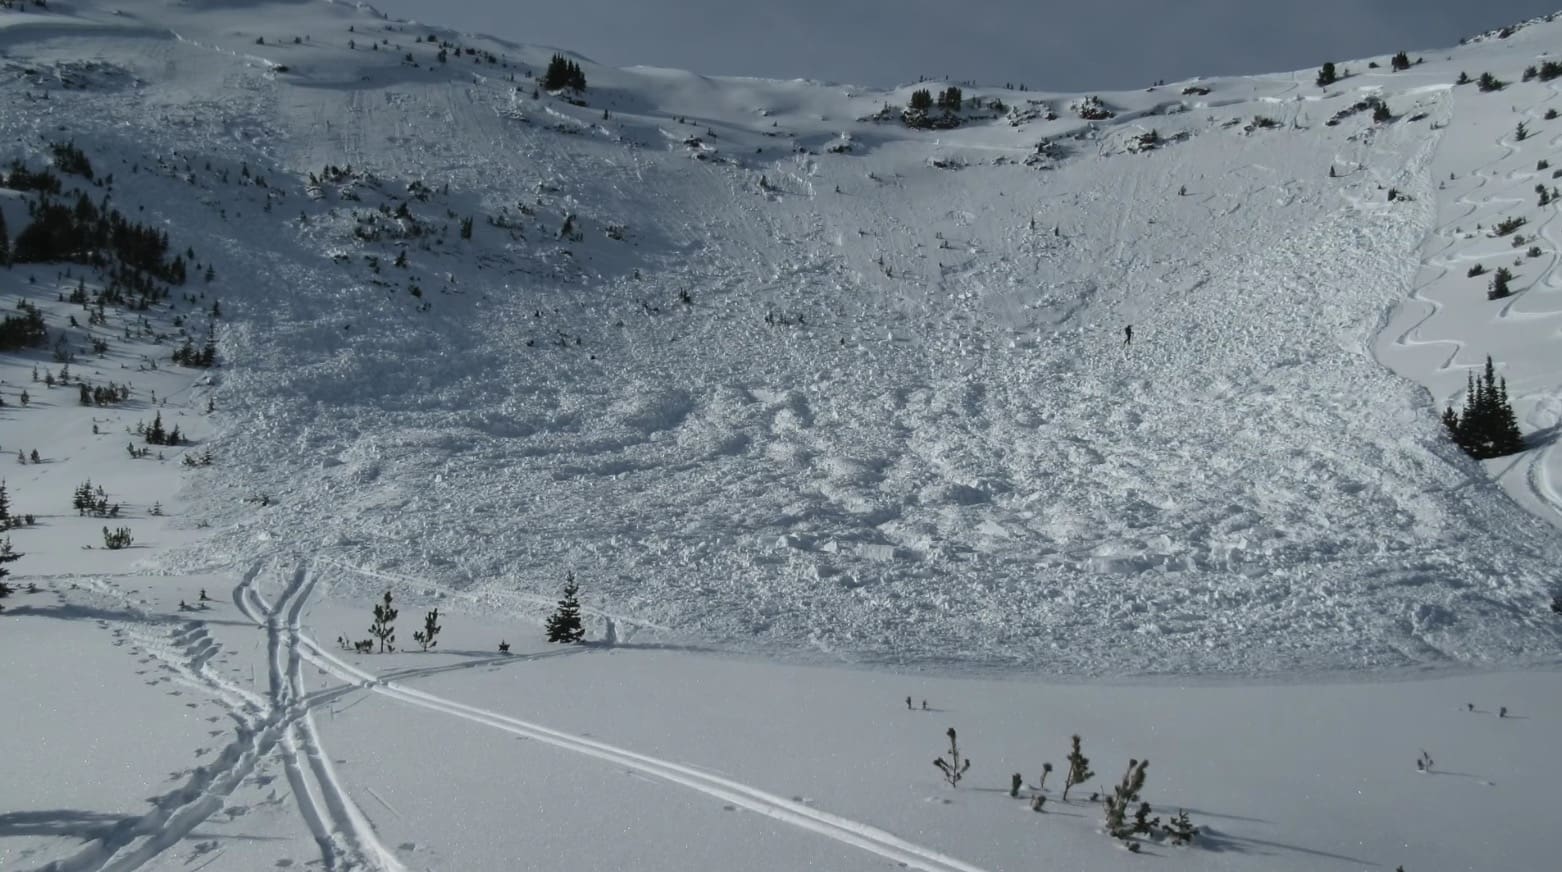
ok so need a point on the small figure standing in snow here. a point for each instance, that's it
(1128, 335)
(908, 703)
(924, 705)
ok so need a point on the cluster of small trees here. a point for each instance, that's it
(156, 435)
(1545, 72)
(101, 395)
(70, 159)
(1486, 427)
(950, 101)
(23, 330)
(89, 500)
(563, 73)
(84, 233)
(383, 629)
(1116, 805)
(205, 357)
(563, 625)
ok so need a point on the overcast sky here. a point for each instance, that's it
(1074, 46)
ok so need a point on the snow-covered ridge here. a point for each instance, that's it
(870, 401)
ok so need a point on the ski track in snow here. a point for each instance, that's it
(939, 454)
(1503, 187)
(846, 831)
(281, 724)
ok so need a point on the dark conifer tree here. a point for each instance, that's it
(1499, 284)
(431, 628)
(564, 623)
(5, 241)
(1327, 75)
(384, 626)
(6, 556)
(1400, 62)
(921, 100)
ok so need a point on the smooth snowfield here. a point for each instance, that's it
(822, 411)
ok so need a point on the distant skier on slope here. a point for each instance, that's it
(1128, 335)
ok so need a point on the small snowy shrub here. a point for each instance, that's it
(1124, 794)
(952, 764)
(1181, 830)
(1078, 768)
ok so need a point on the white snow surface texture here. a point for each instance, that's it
(892, 419)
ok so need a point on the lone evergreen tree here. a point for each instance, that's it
(6, 521)
(1487, 426)
(6, 556)
(1400, 62)
(1499, 284)
(383, 627)
(1078, 768)
(953, 765)
(1327, 76)
(431, 628)
(564, 623)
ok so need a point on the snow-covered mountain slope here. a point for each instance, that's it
(772, 374)
(768, 373)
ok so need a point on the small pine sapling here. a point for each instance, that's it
(1424, 762)
(1124, 794)
(504, 647)
(384, 628)
(1181, 830)
(953, 765)
(1046, 769)
(1015, 781)
(431, 628)
(1078, 768)
(1144, 825)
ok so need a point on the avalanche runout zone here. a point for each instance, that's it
(831, 826)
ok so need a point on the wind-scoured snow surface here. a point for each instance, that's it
(894, 420)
